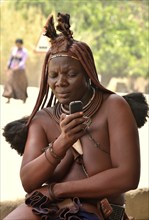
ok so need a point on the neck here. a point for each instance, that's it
(86, 100)
(87, 96)
(92, 105)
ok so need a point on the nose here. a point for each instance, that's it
(61, 81)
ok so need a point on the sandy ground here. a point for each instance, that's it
(11, 187)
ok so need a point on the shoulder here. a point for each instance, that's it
(119, 116)
(42, 116)
(40, 123)
(25, 50)
(115, 100)
(14, 48)
(115, 104)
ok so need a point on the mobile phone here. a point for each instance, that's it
(75, 106)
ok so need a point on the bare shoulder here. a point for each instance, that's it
(115, 101)
(43, 113)
(43, 116)
(38, 130)
(116, 106)
(119, 113)
(114, 98)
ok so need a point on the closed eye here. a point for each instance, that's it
(53, 74)
(72, 74)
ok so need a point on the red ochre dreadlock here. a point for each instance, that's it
(64, 43)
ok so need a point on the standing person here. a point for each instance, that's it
(86, 182)
(16, 83)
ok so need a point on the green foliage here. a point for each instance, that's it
(117, 31)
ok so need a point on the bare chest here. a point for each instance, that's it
(96, 147)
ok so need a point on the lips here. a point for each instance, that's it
(62, 94)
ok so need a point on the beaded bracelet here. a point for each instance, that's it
(53, 154)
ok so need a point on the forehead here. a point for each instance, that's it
(65, 62)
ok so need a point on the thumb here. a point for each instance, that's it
(63, 116)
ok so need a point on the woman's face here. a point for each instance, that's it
(19, 45)
(67, 79)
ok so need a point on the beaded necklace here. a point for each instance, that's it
(89, 109)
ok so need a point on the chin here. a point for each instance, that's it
(64, 101)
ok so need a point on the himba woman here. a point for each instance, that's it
(64, 180)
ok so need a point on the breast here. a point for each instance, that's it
(96, 161)
(96, 148)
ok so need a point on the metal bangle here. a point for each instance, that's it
(53, 154)
(48, 159)
(51, 193)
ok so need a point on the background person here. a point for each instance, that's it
(16, 83)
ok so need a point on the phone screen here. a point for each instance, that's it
(75, 106)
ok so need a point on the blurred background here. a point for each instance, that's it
(116, 31)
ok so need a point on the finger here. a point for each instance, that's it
(71, 116)
(77, 123)
(77, 135)
(62, 117)
(75, 116)
(77, 129)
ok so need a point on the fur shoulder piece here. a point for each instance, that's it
(139, 107)
(15, 132)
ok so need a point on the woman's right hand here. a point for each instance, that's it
(72, 127)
